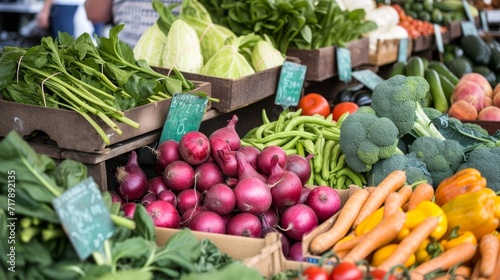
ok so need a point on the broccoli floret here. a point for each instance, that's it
(399, 99)
(442, 157)
(366, 138)
(415, 169)
(487, 161)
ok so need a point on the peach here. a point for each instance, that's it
(488, 101)
(490, 113)
(462, 110)
(470, 92)
(480, 80)
(496, 90)
(496, 100)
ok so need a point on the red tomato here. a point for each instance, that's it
(346, 271)
(314, 103)
(379, 274)
(342, 107)
(315, 273)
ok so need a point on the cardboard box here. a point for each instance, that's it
(71, 131)
(387, 52)
(237, 93)
(322, 64)
(325, 226)
(263, 254)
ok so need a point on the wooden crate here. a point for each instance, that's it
(71, 131)
(322, 64)
(423, 43)
(387, 52)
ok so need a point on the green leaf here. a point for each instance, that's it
(232, 271)
(69, 173)
(133, 248)
(144, 223)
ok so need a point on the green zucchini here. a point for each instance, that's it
(447, 87)
(415, 67)
(398, 68)
(439, 100)
(443, 70)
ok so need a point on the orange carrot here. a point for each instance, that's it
(392, 204)
(405, 193)
(421, 193)
(454, 256)
(390, 183)
(476, 270)
(462, 272)
(488, 249)
(370, 189)
(410, 244)
(347, 244)
(496, 272)
(342, 225)
(382, 234)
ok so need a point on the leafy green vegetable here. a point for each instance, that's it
(146, 49)
(265, 56)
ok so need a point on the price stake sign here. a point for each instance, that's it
(84, 217)
(403, 50)
(290, 84)
(439, 38)
(484, 21)
(468, 28)
(368, 78)
(344, 64)
(185, 114)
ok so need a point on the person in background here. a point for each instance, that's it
(64, 16)
(136, 15)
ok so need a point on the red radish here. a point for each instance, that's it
(251, 154)
(166, 152)
(129, 209)
(220, 199)
(244, 224)
(115, 197)
(168, 196)
(228, 134)
(179, 176)
(266, 155)
(157, 184)
(299, 165)
(286, 186)
(208, 221)
(194, 147)
(298, 220)
(227, 162)
(206, 175)
(304, 194)
(325, 202)
(295, 253)
(187, 199)
(189, 214)
(245, 169)
(252, 196)
(164, 214)
(148, 198)
(131, 179)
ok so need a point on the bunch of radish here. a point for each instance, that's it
(213, 184)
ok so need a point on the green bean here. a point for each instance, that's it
(291, 151)
(310, 181)
(339, 164)
(320, 181)
(280, 123)
(318, 157)
(287, 135)
(351, 175)
(309, 146)
(340, 182)
(265, 119)
(259, 132)
(290, 144)
(306, 119)
(329, 118)
(300, 149)
(335, 155)
(325, 169)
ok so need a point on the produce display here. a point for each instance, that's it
(394, 180)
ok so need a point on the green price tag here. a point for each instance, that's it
(468, 28)
(484, 21)
(344, 64)
(439, 38)
(368, 78)
(468, 12)
(403, 50)
(84, 217)
(185, 114)
(290, 84)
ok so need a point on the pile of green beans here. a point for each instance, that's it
(314, 137)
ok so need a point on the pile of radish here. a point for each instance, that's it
(213, 184)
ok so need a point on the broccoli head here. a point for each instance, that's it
(399, 99)
(441, 157)
(415, 169)
(487, 161)
(366, 138)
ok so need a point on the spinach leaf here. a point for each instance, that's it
(144, 224)
(232, 271)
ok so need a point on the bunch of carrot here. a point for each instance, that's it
(413, 26)
(394, 195)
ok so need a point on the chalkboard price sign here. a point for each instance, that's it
(84, 217)
(290, 84)
(344, 64)
(368, 78)
(185, 114)
(468, 28)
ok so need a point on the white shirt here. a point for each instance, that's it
(68, 2)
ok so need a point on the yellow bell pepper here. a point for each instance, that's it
(369, 222)
(381, 254)
(464, 181)
(456, 239)
(429, 249)
(473, 212)
(497, 206)
(431, 209)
